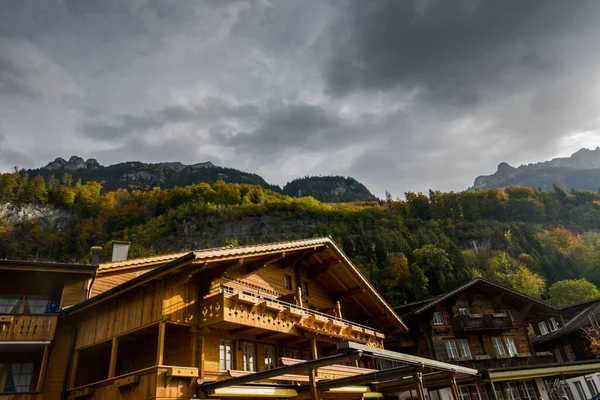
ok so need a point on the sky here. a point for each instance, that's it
(401, 95)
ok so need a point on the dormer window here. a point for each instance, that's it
(552, 324)
(543, 328)
(438, 318)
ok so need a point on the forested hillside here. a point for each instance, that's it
(409, 249)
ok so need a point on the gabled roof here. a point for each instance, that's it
(576, 317)
(341, 274)
(491, 288)
(46, 266)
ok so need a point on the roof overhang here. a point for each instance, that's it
(41, 266)
(573, 368)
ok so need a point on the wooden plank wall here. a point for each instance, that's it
(132, 310)
(178, 341)
(59, 358)
(74, 291)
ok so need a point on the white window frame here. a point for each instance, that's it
(552, 324)
(438, 318)
(226, 355)
(543, 325)
(498, 347)
(580, 390)
(463, 310)
(249, 356)
(463, 348)
(591, 384)
(269, 357)
(512, 391)
(528, 390)
(511, 348)
(451, 350)
(463, 392)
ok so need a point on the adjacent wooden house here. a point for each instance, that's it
(31, 293)
(486, 326)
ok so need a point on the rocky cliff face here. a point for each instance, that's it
(580, 171)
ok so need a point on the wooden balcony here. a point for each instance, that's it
(229, 309)
(508, 362)
(155, 382)
(483, 322)
(30, 327)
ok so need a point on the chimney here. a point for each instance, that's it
(120, 250)
(96, 250)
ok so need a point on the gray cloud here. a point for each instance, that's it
(402, 95)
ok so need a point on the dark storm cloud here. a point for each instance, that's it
(12, 157)
(453, 51)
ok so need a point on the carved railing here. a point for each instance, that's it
(509, 362)
(474, 322)
(27, 326)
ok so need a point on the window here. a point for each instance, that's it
(269, 353)
(9, 304)
(552, 324)
(543, 327)
(451, 349)
(35, 304)
(287, 282)
(294, 353)
(592, 386)
(500, 352)
(463, 310)
(248, 352)
(305, 288)
(580, 391)
(570, 353)
(226, 355)
(511, 392)
(463, 392)
(438, 319)
(557, 355)
(18, 377)
(528, 390)
(463, 348)
(510, 346)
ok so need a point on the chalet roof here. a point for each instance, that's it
(511, 296)
(47, 266)
(338, 273)
(576, 317)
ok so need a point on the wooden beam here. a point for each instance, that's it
(194, 346)
(73, 372)
(201, 351)
(418, 378)
(43, 368)
(316, 271)
(347, 294)
(361, 305)
(112, 365)
(339, 282)
(236, 331)
(454, 388)
(338, 307)
(267, 334)
(289, 369)
(160, 349)
(361, 379)
(312, 373)
(258, 264)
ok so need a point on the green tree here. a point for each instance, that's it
(435, 264)
(571, 291)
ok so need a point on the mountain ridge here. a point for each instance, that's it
(580, 171)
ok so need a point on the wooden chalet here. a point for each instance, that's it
(486, 326)
(281, 320)
(31, 293)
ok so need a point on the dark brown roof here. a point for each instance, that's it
(493, 288)
(576, 317)
(47, 266)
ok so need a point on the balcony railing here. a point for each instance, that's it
(509, 362)
(27, 326)
(473, 322)
(283, 316)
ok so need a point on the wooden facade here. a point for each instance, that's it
(31, 295)
(161, 327)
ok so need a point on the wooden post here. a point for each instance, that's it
(73, 369)
(338, 307)
(201, 357)
(194, 347)
(418, 378)
(299, 296)
(453, 387)
(313, 348)
(479, 387)
(44, 368)
(112, 366)
(160, 350)
(312, 374)
(494, 394)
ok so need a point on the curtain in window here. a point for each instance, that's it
(36, 304)
(21, 377)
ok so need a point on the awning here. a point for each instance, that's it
(364, 390)
(550, 370)
(261, 392)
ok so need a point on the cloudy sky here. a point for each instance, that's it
(402, 95)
